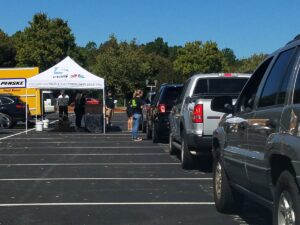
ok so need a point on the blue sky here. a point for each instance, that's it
(246, 26)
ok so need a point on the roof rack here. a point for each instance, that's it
(295, 39)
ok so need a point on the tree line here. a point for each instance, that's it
(123, 64)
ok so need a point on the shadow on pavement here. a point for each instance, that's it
(253, 213)
(113, 129)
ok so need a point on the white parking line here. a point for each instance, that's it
(22, 132)
(104, 204)
(86, 164)
(91, 134)
(16, 134)
(123, 138)
(73, 147)
(88, 154)
(66, 142)
(110, 178)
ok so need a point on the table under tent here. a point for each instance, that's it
(67, 75)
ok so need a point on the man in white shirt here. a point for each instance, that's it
(63, 101)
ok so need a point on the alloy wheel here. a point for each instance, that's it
(286, 213)
(218, 180)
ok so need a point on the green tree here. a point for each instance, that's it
(158, 47)
(229, 61)
(7, 51)
(89, 54)
(123, 65)
(196, 57)
(160, 69)
(45, 42)
(248, 65)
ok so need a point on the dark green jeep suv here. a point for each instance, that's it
(256, 146)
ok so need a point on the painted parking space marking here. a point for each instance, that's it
(16, 134)
(87, 154)
(109, 178)
(87, 164)
(104, 204)
(81, 147)
(22, 132)
(67, 142)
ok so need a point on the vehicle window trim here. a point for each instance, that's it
(183, 92)
(294, 80)
(157, 96)
(268, 71)
(271, 62)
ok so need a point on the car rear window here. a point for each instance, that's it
(5, 100)
(170, 95)
(220, 86)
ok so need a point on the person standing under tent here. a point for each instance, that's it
(136, 105)
(79, 109)
(109, 107)
(62, 102)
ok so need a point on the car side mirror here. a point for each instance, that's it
(222, 104)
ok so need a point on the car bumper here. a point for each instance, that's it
(162, 125)
(199, 143)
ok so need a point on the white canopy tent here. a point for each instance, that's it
(67, 74)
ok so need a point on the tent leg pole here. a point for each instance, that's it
(36, 109)
(104, 123)
(26, 111)
(41, 93)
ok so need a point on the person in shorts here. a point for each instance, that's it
(129, 113)
(62, 102)
(109, 107)
(136, 104)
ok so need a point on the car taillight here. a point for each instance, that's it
(20, 106)
(198, 114)
(161, 108)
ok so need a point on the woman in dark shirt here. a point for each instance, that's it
(79, 109)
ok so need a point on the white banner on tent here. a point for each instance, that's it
(65, 85)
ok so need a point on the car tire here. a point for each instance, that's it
(148, 132)
(8, 121)
(187, 160)
(172, 149)
(155, 138)
(227, 200)
(286, 201)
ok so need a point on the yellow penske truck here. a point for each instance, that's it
(13, 82)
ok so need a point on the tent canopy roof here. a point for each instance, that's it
(66, 74)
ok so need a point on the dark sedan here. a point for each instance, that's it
(13, 110)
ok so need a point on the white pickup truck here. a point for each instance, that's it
(192, 121)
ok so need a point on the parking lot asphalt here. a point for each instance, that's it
(53, 177)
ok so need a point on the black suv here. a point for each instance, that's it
(256, 146)
(13, 110)
(158, 123)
